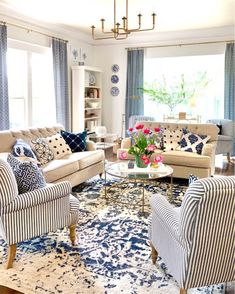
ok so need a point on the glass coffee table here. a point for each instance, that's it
(136, 175)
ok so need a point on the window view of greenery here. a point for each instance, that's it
(191, 84)
(30, 86)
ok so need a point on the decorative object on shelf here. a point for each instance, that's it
(114, 79)
(114, 91)
(92, 79)
(119, 32)
(131, 164)
(146, 142)
(93, 104)
(115, 68)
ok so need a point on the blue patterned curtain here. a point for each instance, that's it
(229, 85)
(135, 80)
(4, 102)
(60, 66)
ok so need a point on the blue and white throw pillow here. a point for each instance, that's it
(23, 149)
(76, 142)
(191, 142)
(192, 178)
(42, 150)
(28, 175)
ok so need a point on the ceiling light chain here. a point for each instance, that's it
(119, 32)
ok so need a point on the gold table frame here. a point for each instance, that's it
(145, 175)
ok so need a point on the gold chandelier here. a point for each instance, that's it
(120, 32)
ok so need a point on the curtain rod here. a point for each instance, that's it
(181, 44)
(31, 30)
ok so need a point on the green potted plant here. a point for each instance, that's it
(179, 92)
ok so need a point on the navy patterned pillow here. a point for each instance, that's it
(42, 150)
(191, 142)
(21, 148)
(28, 175)
(76, 142)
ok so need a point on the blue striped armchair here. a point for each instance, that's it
(196, 241)
(27, 215)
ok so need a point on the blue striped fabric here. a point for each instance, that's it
(36, 212)
(8, 185)
(197, 244)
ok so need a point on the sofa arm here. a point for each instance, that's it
(90, 145)
(39, 196)
(209, 149)
(166, 214)
(126, 143)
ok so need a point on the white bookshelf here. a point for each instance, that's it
(86, 98)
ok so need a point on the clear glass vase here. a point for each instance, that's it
(139, 162)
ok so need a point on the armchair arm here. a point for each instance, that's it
(90, 145)
(126, 143)
(38, 196)
(209, 149)
(166, 214)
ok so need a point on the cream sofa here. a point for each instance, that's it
(75, 168)
(185, 163)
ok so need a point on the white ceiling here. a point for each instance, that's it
(172, 15)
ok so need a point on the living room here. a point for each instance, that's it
(184, 46)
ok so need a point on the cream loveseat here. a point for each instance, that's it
(75, 168)
(184, 163)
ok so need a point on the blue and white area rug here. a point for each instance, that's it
(112, 255)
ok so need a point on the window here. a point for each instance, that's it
(209, 101)
(31, 86)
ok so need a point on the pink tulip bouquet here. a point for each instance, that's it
(144, 143)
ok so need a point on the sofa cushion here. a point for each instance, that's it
(77, 142)
(182, 158)
(58, 146)
(60, 168)
(87, 158)
(192, 142)
(42, 150)
(28, 175)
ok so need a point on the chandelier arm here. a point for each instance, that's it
(103, 38)
(123, 38)
(118, 32)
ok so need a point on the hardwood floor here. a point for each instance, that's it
(222, 167)
(6, 290)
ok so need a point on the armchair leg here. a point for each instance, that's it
(11, 256)
(154, 254)
(72, 233)
(183, 291)
(100, 175)
(228, 157)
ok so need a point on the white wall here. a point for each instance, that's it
(113, 106)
